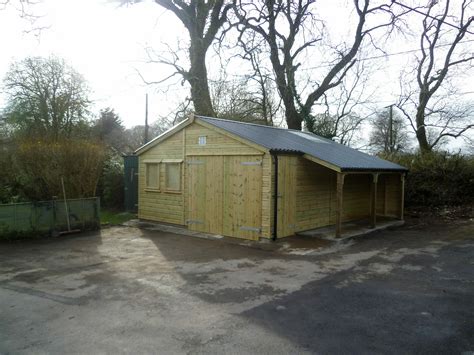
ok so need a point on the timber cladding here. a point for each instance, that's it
(222, 184)
(214, 181)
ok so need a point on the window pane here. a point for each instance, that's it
(152, 176)
(173, 176)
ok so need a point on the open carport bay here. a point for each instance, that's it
(127, 290)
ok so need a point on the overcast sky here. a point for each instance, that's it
(106, 43)
(103, 42)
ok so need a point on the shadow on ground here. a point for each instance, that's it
(423, 305)
(130, 290)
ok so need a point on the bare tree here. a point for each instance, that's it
(239, 100)
(45, 96)
(389, 135)
(203, 20)
(290, 28)
(430, 108)
(133, 137)
(341, 120)
(252, 50)
(27, 10)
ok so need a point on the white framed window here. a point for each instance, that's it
(152, 175)
(202, 140)
(173, 176)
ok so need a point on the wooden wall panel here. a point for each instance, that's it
(381, 195)
(389, 195)
(356, 204)
(287, 172)
(225, 194)
(161, 205)
(216, 143)
(243, 197)
(315, 195)
(205, 193)
(170, 207)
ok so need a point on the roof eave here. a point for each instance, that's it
(164, 135)
(377, 170)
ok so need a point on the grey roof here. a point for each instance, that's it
(298, 142)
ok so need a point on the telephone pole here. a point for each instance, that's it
(146, 120)
(390, 127)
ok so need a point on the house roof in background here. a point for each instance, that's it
(281, 140)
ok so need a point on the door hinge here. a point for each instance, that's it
(251, 163)
(250, 229)
(194, 221)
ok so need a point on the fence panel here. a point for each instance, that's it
(49, 217)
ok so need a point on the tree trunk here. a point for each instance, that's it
(421, 131)
(198, 80)
(292, 117)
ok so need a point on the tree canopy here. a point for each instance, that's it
(45, 96)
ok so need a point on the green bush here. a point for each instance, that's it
(437, 179)
(7, 234)
(111, 184)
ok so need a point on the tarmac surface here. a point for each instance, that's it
(129, 290)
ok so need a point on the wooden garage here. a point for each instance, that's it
(251, 181)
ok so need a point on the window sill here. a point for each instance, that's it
(148, 189)
(173, 191)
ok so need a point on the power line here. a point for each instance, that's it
(429, 16)
(386, 55)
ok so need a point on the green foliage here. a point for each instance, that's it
(321, 124)
(108, 129)
(115, 218)
(7, 234)
(437, 179)
(42, 163)
(111, 184)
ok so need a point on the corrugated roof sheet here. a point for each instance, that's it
(288, 140)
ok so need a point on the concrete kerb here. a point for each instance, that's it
(319, 241)
(328, 233)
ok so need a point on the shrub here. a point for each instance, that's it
(42, 163)
(111, 184)
(437, 179)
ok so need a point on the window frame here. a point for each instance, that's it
(167, 163)
(148, 163)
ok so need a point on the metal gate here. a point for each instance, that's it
(130, 163)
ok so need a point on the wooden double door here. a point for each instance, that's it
(224, 195)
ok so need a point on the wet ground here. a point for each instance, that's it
(124, 290)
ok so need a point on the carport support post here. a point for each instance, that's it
(339, 195)
(373, 204)
(402, 197)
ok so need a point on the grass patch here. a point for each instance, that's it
(114, 218)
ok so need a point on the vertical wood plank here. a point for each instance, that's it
(339, 203)
(373, 204)
(183, 178)
(402, 195)
(287, 166)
